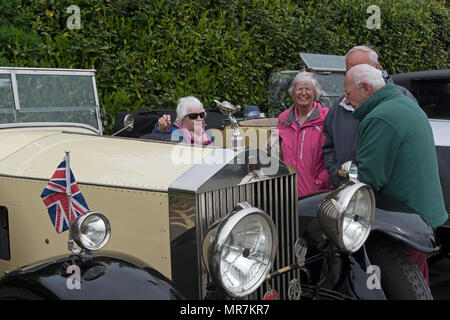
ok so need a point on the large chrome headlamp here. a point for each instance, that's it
(91, 231)
(239, 250)
(346, 215)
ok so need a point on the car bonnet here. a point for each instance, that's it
(97, 160)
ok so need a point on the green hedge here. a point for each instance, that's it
(150, 53)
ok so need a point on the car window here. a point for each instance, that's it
(433, 96)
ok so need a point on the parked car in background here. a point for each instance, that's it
(432, 91)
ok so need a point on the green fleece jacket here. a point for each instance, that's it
(397, 156)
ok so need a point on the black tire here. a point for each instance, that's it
(401, 278)
(17, 293)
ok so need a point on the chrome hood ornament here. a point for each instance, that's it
(228, 110)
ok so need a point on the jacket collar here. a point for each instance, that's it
(387, 91)
(292, 114)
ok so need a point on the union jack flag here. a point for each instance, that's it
(56, 197)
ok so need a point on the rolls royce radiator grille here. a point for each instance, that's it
(278, 198)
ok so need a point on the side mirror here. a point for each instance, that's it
(128, 124)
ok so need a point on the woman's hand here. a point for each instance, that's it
(164, 123)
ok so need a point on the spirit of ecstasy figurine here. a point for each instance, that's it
(228, 110)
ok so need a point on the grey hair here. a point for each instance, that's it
(367, 73)
(373, 56)
(186, 103)
(306, 77)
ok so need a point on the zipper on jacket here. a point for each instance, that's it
(301, 146)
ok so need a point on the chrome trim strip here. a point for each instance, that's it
(15, 91)
(333, 70)
(86, 184)
(185, 244)
(97, 107)
(284, 229)
(47, 71)
(273, 208)
(47, 124)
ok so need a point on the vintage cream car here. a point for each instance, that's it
(155, 202)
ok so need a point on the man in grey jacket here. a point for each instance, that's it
(340, 127)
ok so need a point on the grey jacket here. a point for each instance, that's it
(341, 132)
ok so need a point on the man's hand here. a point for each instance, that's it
(164, 123)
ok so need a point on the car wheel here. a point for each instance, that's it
(17, 293)
(400, 276)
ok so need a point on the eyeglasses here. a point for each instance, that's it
(347, 93)
(307, 90)
(194, 116)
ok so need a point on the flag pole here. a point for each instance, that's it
(68, 185)
(69, 200)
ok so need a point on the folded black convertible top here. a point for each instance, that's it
(145, 120)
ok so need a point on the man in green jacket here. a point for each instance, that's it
(396, 153)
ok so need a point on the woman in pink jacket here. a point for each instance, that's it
(300, 130)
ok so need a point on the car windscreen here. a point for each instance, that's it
(44, 98)
(6, 99)
(56, 98)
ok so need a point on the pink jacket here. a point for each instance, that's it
(301, 148)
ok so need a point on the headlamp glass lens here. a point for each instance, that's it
(93, 231)
(246, 254)
(357, 218)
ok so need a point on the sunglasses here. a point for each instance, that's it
(194, 116)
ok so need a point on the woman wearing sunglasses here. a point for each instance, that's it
(189, 125)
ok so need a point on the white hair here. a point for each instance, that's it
(186, 103)
(373, 56)
(367, 73)
(306, 77)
